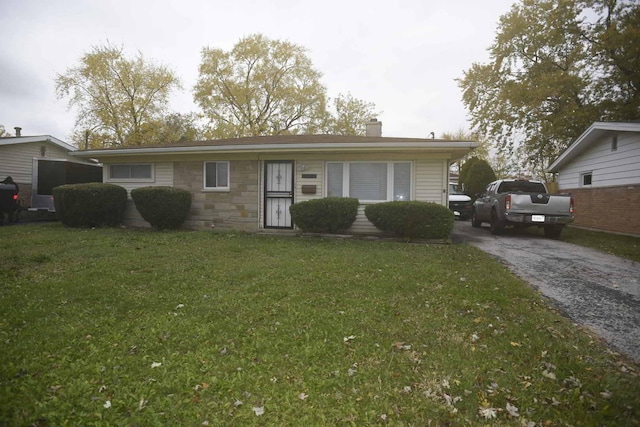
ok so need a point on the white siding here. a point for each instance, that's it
(17, 160)
(430, 180)
(311, 167)
(162, 176)
(362, 224)
(608, 168)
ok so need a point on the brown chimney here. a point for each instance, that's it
(18, 131)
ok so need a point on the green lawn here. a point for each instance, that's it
(131, 327)
(615, 244)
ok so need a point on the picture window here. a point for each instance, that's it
(369, 181)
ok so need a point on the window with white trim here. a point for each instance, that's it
(216, 176)
(585, 179)
(131, 172)
(369, 181)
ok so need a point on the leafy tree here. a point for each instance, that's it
(478, 176)
(483, 148)
(350, 116)
(3, 132)
(615, 41)
(270, 87)
(464, 177)
(482, 151)
(116, 97)
(174, 127)
(260, 87)
(552, 73)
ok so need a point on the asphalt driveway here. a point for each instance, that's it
(596, 290)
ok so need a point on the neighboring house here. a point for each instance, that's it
(601, 170)
(249, 183)
(17, 156)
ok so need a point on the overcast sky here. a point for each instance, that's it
(401, 55)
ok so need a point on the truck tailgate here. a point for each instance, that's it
(538, 203)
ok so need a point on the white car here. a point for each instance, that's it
(459, 203)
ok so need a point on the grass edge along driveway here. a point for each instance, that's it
(113, 327)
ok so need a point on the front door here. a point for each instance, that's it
(278, 194)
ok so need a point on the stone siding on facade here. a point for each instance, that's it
(614, 209)
(236, 209)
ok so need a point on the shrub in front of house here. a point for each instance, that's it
(411, 219)
(90, 205)
(328, 215)
(162, 207)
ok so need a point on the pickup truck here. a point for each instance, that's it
(521, 204)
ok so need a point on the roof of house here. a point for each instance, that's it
(12, 140)
(289, 144)
(593, 133)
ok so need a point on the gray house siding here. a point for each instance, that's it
(608, 167)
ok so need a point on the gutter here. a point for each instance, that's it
(277, 148)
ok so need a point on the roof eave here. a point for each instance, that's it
(279, 148)
(41, 138)
(588, 136)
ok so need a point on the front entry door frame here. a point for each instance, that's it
(278, 193)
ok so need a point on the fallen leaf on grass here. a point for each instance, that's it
(401, 346)
(303, 396)
(488, 413)
(156, 364)
(143, 402)
(512, 410)
(258, 410)
(606, 394)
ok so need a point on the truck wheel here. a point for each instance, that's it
(496, 226)
(474, 220)
(553, 231)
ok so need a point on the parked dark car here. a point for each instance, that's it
(9, 205)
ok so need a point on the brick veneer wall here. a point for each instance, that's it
(236, 209)
(615, 209)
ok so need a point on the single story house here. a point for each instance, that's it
(601, 170)
(249, 183)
